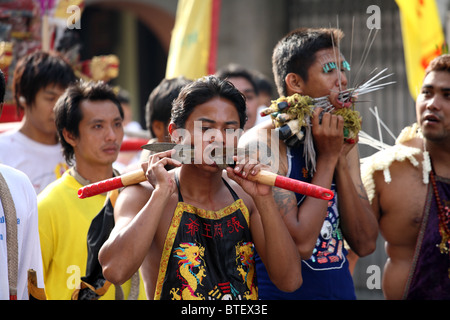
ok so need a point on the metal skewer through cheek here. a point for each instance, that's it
(263, 177)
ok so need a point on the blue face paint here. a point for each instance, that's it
(346, 65)
(332, 65)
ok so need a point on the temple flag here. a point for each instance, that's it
(193, 45)
(423, 38)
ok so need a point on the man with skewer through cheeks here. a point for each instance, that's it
(193, 230)
(307, 65)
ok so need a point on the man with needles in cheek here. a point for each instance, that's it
(307, 62)
(197, 227)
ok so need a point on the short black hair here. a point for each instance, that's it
(262, 83)
(38, 70)
(68, 114)
(296, 52)
(234, 70)
(159, 104)
(203, 90)
(440, 63)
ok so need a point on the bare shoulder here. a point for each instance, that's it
(401, 200)
(132, 198)
(402, 174)
(403, 169)
(135, 195)
(415, 142)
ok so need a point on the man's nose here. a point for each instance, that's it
(111, 134)
(213, 135)
(343, 80)
(433, 103)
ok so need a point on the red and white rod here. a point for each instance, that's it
(263, 177)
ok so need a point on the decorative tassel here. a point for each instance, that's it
(426, 164)
(309, 152)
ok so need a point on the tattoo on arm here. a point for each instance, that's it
(285, 200)
(362, 192)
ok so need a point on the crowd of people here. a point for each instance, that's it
(196, 231)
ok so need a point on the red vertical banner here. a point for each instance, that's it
(214, 37)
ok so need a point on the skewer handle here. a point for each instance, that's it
(263, 177)
(297, 186)
(305, 188)
(103, 186)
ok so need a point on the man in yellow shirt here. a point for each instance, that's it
(89, 122)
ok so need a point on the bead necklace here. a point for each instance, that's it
(444, 220)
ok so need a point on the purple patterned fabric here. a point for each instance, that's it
(429, 275)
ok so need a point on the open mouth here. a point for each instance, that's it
(430, 118)
(345, 98)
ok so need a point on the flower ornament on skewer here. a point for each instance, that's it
(291, 115)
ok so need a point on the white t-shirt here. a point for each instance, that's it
(42, 163)
(30, 257)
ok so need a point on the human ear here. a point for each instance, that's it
(173, 132)
(158, 129)
(69, 137)
(294, 83)
(22, 100)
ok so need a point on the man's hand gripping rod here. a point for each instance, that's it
(263, 177)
